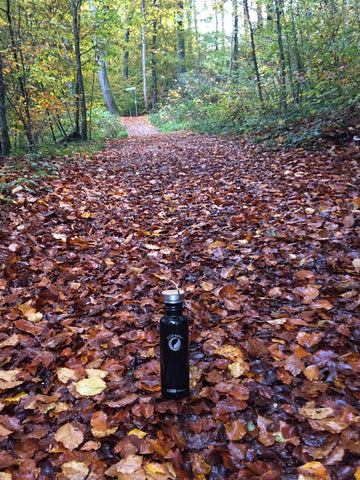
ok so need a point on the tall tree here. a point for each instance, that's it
(80, 90)
(20, 74)
(153, 58)
(281, 54)
(234, 40)
(143, 55)
(253, 52)
(4, 131)
(180, 38)
(102, 69)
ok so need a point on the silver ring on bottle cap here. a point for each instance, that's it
(173, 296)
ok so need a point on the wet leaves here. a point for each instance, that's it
(266, 247)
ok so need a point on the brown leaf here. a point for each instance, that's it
(70, 436)
(294, 365)
(198, 465)
(308, 340)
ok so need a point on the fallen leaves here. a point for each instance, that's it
(90, 387)
(70, 436)
(270, 265)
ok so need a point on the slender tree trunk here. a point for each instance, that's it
(197, 38)
(153, 60)
(216, 11)
(126, 52)
(75, 4)
(181, 38)
(4, 131)
(259, 13)
(299, 66)
(236, 33)
(234, 39)
(222, 8)
(143, 54)
(253, 52)
(281, 56)
(25, 117)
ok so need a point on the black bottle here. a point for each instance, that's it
(174, 347)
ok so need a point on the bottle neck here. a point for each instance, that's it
(173, 308)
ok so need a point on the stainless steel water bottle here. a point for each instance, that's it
(174, 347)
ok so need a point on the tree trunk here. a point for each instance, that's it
(126, 53)
(143, 55)
(197, 39)
(299, 67)
(103, 74)
(21, 76)
(181, 39)
(153, 60)
(253, 52)
(259, 13)
(281, 56)
(75, 4)
(106, 89)
(236, 33)
(4, 131)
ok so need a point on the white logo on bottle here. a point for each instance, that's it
(174, 342)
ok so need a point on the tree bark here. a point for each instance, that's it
(126, 52)
(75, 4)
(106, 88)
(181, 39)
(253, 52)
(153, 60)
(4, 131)
(281, 56)
(143, 55)
(21, 76)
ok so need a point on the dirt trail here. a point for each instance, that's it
(137, 126)
(265, 245)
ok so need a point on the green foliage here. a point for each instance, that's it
(105, 125)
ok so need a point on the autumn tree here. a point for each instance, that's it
(4, 131)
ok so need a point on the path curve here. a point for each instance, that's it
(137, 126)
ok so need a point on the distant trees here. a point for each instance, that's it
(281, 58)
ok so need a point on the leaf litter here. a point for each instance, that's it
(266, 247)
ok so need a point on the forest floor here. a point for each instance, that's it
(136, 126)
(266, 246)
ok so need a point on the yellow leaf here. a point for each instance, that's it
(70, 436)
(15, 399)
(30, 312)
(207, 286)
(65, 374)
(75, 471)
(139, 433)
(96, 372)
(314, 470)
(356, 476)
(356, 264)
(238, 368)
(230, 352)
(103, 433)
(86, 215)
(8, 379)
(90, 387)
(317, 413)
(156, 468)
(5, 476)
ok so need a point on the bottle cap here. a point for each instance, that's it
(173, 296)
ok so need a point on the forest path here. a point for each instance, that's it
(266, 246)
(137, 126)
